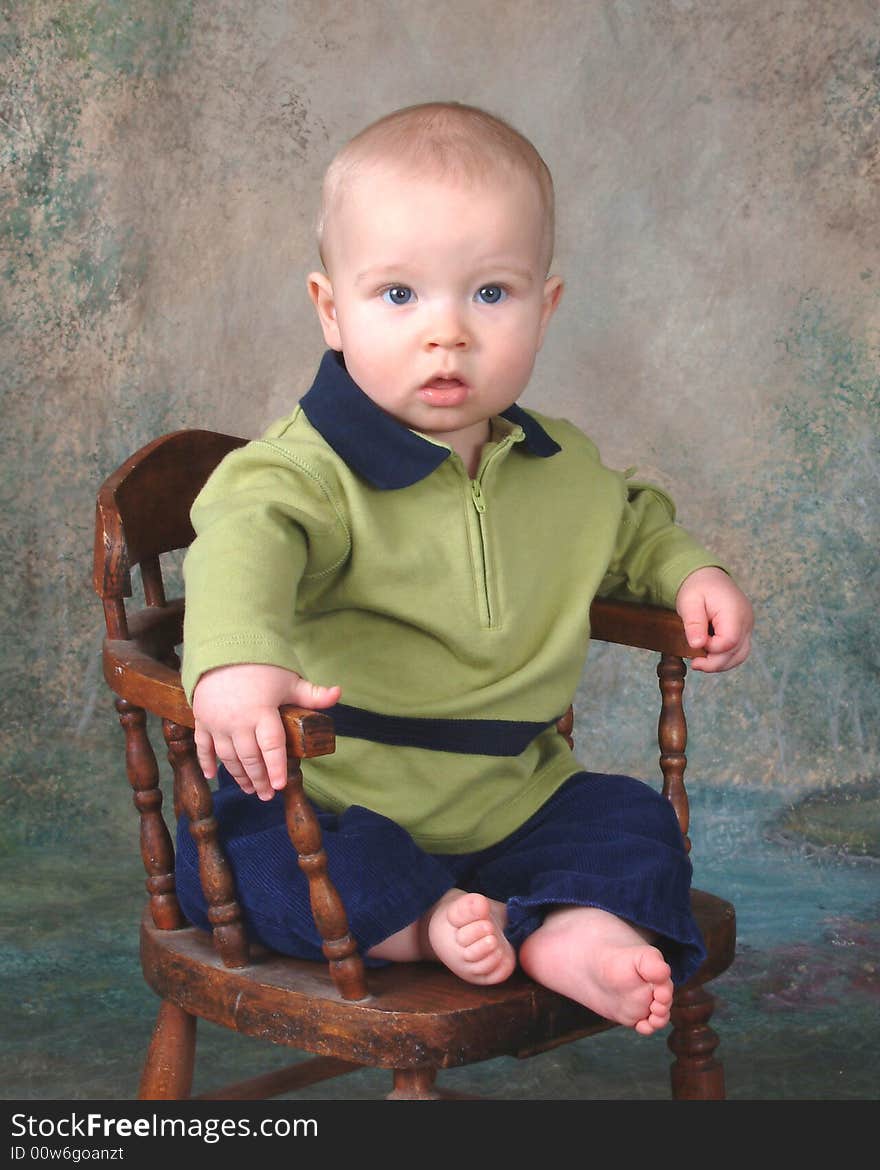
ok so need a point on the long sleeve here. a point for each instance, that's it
(264, 524)
(653, 554)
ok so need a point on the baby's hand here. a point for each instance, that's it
(237, 721)
(710, 596)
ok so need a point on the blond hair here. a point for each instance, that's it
(448, 140)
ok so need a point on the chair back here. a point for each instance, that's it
(143, 511)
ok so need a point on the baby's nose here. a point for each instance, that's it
(447, 329)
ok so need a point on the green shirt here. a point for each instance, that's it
(348, 548)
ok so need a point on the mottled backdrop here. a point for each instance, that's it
(717, 164)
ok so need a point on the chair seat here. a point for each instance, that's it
(418, 1013)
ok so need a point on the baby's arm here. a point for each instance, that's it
(237, 721)
(710, 596)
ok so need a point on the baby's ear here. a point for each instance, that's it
(553, 287)
(321, 292)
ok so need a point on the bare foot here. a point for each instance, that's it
(463, 931)
(466, 933)
(604, 963)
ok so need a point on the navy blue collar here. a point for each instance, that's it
(378, 447)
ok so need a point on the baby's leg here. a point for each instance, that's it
(463, 931)
(603, 962)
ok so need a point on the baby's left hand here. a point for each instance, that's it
(710, 596)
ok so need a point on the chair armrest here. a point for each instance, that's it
(631, 623)
(135, 670)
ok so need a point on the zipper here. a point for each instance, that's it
(479, 502)
(481, 531)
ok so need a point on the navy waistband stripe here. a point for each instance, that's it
(477, 737)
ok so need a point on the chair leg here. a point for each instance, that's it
(696, 1075)
(168, 1070)
(414, 1084)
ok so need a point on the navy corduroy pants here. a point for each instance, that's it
(600, 840)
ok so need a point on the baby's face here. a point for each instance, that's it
(436, 293)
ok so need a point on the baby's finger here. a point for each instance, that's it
(724, 637)
(741, 653)
(724, 660)
(272, 743)
(695, 621)
(251, 759)
(206, 753)
(228, 757)
(312, 695)
(276, 767)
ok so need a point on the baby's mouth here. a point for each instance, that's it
(444, 390)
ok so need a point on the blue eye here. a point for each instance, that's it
(490, 294)
(398, 294)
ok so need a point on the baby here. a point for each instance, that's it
(413, 541)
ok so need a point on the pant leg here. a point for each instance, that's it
(384, 879)
(607, 841)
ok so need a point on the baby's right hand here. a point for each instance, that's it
(237, 722)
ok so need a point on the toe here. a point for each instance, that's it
(663, 993)
(473, 932)
(494, 967)
(646, 1027)
(468, 908)
(652, 967)
(481, 948)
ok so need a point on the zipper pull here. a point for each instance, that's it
(479, 499)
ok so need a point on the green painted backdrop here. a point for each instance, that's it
(717, 165)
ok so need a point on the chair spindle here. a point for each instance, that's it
(672, 737)
(151, 579)
(224, 912)
(157, 849)
(696, 1074)
(346, 965)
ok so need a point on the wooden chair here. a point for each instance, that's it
(411, 1018)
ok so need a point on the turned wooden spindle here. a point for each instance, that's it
(157, 849)
(696, 1074)
(172, 659)
(151, 579)
(218, 884)
(346, 965)
(672, 737)
(414, 1084)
